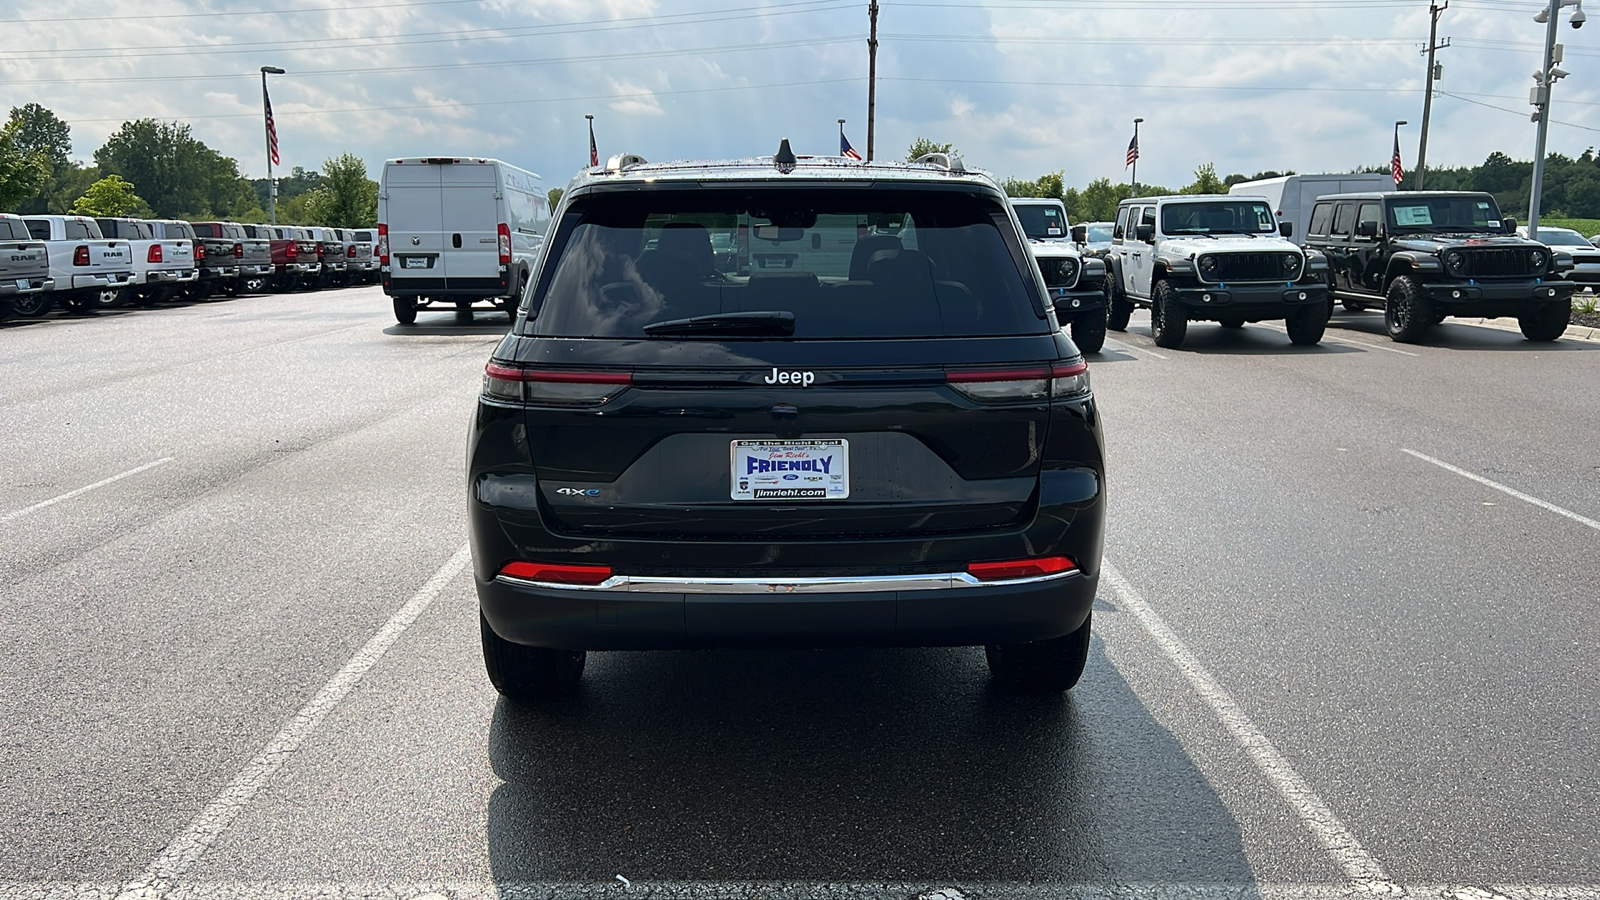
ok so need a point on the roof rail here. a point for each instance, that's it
(624, 160)
(947, 161)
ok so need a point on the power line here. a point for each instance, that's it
(1516, 112)
(275, 11)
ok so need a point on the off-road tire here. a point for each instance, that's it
(1548, 322)
(32, 306)
(1089, 331)
(1306, 324)
(1407, 314)
(405, 310)
(1041, 667)
(1168, 322)
(531, 673)
(1121, 309)
(1231, 321)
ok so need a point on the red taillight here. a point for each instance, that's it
(80, 256)
(980, 376)
(238, 251)
(292, 251)
(505, 244)
(322, 250)
(350, 251)
(199, 251)
(556, 574)
(1059, 379)
(1011, 570)
(155, 254)
(383, 244)
(552, 387)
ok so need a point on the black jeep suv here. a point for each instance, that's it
(859, 426)
(1424, 256)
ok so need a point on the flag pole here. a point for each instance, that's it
(594, 154)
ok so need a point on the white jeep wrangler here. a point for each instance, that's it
(1213, 257)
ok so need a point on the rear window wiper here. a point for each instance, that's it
(761, 323)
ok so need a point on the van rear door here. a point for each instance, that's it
(413, 217)
(471, 222)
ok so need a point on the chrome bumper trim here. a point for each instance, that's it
(638, 584)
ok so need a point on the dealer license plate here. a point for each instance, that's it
(791, 470)
(417, 262)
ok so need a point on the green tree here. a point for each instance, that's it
(23, 172)
(40, 129)
(922, 146)
(554, 196)
(1043, 186)
(111, 196)
(346, 198)
(180, 176)
(1205, 182)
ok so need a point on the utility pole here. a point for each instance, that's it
(1434, 9)
(1544, 82)
(872, 74)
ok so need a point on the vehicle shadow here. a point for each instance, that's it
(1452, 335)
(449, 323)
(1211, 339)
(902, 766)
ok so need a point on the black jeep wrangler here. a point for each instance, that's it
(1424, 256)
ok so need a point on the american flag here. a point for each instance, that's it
(1394, 164)
(1133, 151)
(845, 149)
(594, 153)
(272, 128)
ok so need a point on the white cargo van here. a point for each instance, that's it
(456, 230)
(1292, 196)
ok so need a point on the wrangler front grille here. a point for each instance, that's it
(1249, 267)
(1499, 261)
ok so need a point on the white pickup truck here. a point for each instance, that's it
(161, 266)
(24, 270)
(86, 267)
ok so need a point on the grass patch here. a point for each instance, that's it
(1585, 227)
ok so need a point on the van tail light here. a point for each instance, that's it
(505, 244)
(80, 256)
(551, 573)
(552, 387)
(1011, 570)
(383, 244)
(238, 251)
(155, 254)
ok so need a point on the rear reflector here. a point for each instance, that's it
(556, 574)
(1020, 568)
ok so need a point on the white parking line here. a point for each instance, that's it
(185, 849)
(85, 489)
(1528, 498)
(1341, 340)
(1347, 852)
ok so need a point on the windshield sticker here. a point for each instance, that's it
(1413, 215)
(1494, 223)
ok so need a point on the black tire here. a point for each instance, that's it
(32, 306)
(255, 284)
(1306, 324)
(1042, 667)
(529, 673)
(1231, 321)
(1407, 314)
(405, 310)
(1168, 322)
(80, 302)
(1121, 308)
(1548, 322)
(1089, 331)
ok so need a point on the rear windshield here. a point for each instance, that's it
(12, 230)
(364, 236)
(846, 263)
(1042, 222)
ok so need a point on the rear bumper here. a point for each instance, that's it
(104, 280)
(170, 276)
(256, 269)
(209, 273)
(12, 287)
(298, 269)
(840, 612)
(1070, 302)
(480, 288)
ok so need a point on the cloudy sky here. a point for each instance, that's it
(1021, 87)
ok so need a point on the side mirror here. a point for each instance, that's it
(1510, 225)
(1145, 232)
(1368, 229)
(1286, 229)
(1080, 234)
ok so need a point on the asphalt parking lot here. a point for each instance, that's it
(1344, 644)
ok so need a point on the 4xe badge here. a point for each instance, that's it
(578, 492)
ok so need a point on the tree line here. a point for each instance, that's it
(1571, 186)
(155, 169)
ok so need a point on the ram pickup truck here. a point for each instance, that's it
(229, 249)
(161, 266)
(25, 280)
(88, 270)
(361, 261)
(294, 257)
(330, 250)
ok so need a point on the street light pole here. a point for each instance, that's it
(272, 140)
(1545, 80)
